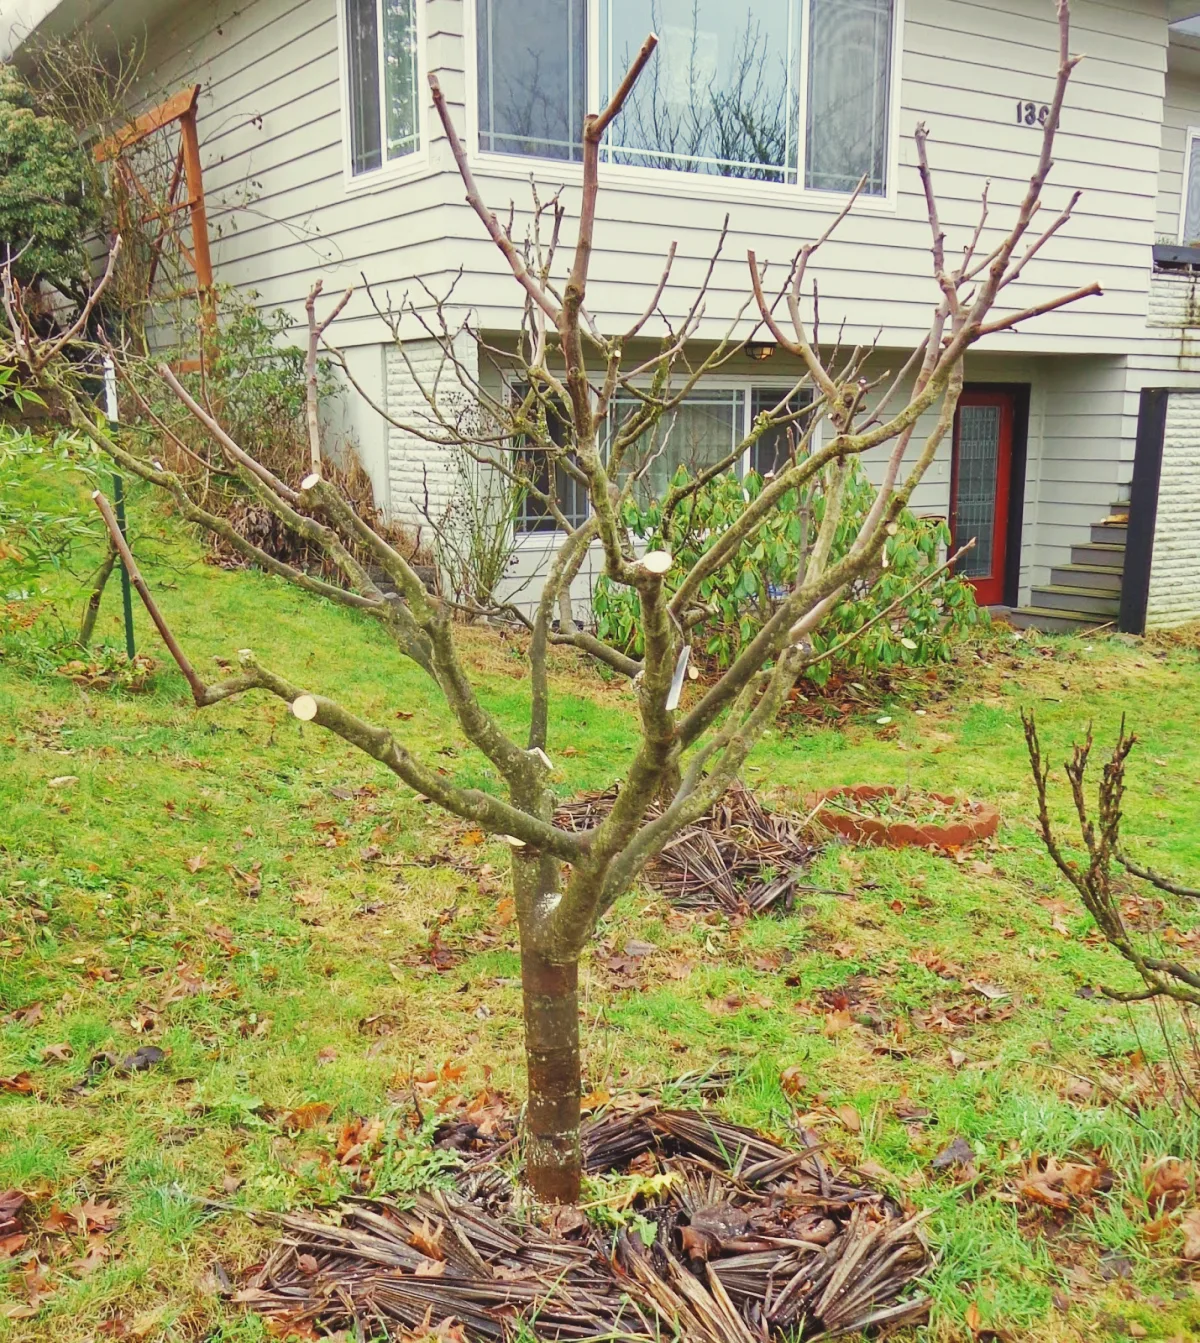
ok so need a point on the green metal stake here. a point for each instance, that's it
(126, 591)
(110, 411)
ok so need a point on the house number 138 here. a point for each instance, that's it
(1031, 114)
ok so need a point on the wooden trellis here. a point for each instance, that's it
(170, 212)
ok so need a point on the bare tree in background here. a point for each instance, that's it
(1164, 974)
(568, 377)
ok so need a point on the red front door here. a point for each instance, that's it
(980, 477)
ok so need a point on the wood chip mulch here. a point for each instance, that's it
(739, 857)
(751, 1241)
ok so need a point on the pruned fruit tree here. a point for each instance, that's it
(576, 418)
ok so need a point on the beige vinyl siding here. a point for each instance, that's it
(271, 129)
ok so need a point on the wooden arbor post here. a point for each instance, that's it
(181, 108)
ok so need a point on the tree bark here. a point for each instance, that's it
(552, 1153)
(87, 624)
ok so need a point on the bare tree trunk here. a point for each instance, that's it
(552, 1155)
(100, 580)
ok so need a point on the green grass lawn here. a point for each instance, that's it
(257, 901)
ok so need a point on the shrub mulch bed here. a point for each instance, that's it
(739, 857)
(751, 1240)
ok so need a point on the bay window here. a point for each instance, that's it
(382, 81)
(796, 92)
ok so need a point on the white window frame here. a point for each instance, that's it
(1191, 135)
(407, 165)
(664, 181)
(743, 382)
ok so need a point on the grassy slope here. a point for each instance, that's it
(103, 921)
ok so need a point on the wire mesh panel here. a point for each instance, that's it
(975, 504)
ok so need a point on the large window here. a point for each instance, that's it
(786, 91)
(706, 428)
(381, 71)
(721, 94)
(703, 430)
(532, 76)
(550, 479)
(849, 79)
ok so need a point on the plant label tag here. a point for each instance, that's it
(681, 664)
(110, 390)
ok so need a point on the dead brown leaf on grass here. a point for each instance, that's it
(222, 936)
(308, 1116)
(29, 1015)
(1167, 1181)
(793, 1082)
(1059, 1185)
(94, 1215)
(1191, 1236)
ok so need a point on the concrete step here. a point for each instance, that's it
(1079, 601)
(1109, 533)
(1053, 621)
(1100, 556)
(1092, 576)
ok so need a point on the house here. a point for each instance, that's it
(1076, 452)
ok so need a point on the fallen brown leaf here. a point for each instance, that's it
(792, 1081)
(1058, 1185)
(94, 1215)
(428, 1241)
(1167, 1182)
(1191, 1236)
(850, 1118)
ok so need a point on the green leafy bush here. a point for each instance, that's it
(45, 210)
(256, 382)
(49, 535)
(745, 590)
(258, 379)
(45, 516)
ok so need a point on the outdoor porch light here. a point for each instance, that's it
(760, 349)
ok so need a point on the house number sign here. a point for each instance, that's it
(1032, 114)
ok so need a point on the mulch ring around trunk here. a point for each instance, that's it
(739, 857)
(700, 1230)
